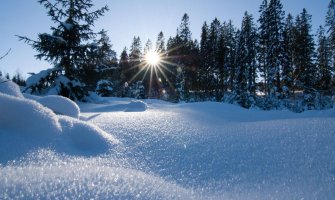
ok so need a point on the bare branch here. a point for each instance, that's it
(5, 54)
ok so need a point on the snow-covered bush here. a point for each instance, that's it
(52, 82)
(104, 88)
(136, 90)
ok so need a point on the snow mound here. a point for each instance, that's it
(85, 137)
(60, 105)
(27, 125)
(136, 106)
(10, 88)
(26, 116)
(49, 176)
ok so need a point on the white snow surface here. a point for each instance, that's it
(174, 151)
(60, 105)
(10, 88)
(26, 125)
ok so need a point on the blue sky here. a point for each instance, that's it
(126, 19)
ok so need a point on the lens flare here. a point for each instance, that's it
(152, 58)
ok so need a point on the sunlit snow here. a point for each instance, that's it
(167, 151)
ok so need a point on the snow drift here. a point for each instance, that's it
(27, 125)
(10, 88)
(60, 105)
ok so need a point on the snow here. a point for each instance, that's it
(67, 26)
(60, 105)
(136, 106)
(27, 125)
(164, 151)
(10, 88)
(36, 78)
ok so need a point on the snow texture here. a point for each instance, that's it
(36, 78)
(60, 105)
(9, 87)
(172, 151)
(26, 125)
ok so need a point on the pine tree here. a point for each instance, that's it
(214, 39)
(263, 45)
(324, 63)
(135, 57)
(304, 59)
(330, 24)
(65, 47)
(160, 44)
(174, 64)
(276, 16)
(204, 74)
(287, 59)
(148, 47)
(246, 63)
(125, 66)
(184, 29)
(230, 60)
(226, 56)
(126, 75)
(184, 43)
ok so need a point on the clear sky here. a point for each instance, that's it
(126, 19)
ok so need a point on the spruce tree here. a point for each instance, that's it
(184, 43)
(125, 66)
(304, 59)
(204, 74)
(214, 37)
(160, 44)
(263, 44)
(324, 62)
(330, 24)
(246, 63)
(66, 47)
(287, 59)
(135, 58)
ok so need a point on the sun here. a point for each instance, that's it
(152, 58)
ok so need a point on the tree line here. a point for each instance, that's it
(270, 63)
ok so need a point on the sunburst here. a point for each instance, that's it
(156, 65)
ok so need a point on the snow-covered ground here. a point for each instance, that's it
(158, 150)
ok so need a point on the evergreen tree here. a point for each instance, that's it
(174, 64)
(214, 39)
(246, 63)
(125, 66)
(304, 59)
(204, 74)
(148, 47)
(330, 24)
(230, 59)
(185, 61)
(135, 57)
(271, 50)
(324, 62)
(160, 44)
(18, 79)
(226, 56)
(287, 61)
(276, 16)
(65, 46)
(263, 44)
(184, 29)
